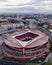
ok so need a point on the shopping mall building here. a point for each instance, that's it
(26, 44)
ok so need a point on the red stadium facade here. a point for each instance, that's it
(26, 44)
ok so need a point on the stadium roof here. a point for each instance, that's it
(41, 39)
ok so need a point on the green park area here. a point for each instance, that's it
(48, 63)
(10, 32)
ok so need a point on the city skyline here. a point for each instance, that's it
(26, 6)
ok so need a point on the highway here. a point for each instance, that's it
(49, 34)
(46, 31)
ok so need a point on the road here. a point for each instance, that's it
(49, 57)
(1, 42)
(47, 32)
(1, 39)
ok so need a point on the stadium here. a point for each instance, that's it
(25, 44)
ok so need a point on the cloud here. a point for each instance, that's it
(43, 5)
(34, 6)
(19, 10)
(25, 10)
(3, 0)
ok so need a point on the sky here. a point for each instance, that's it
(26, 6)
